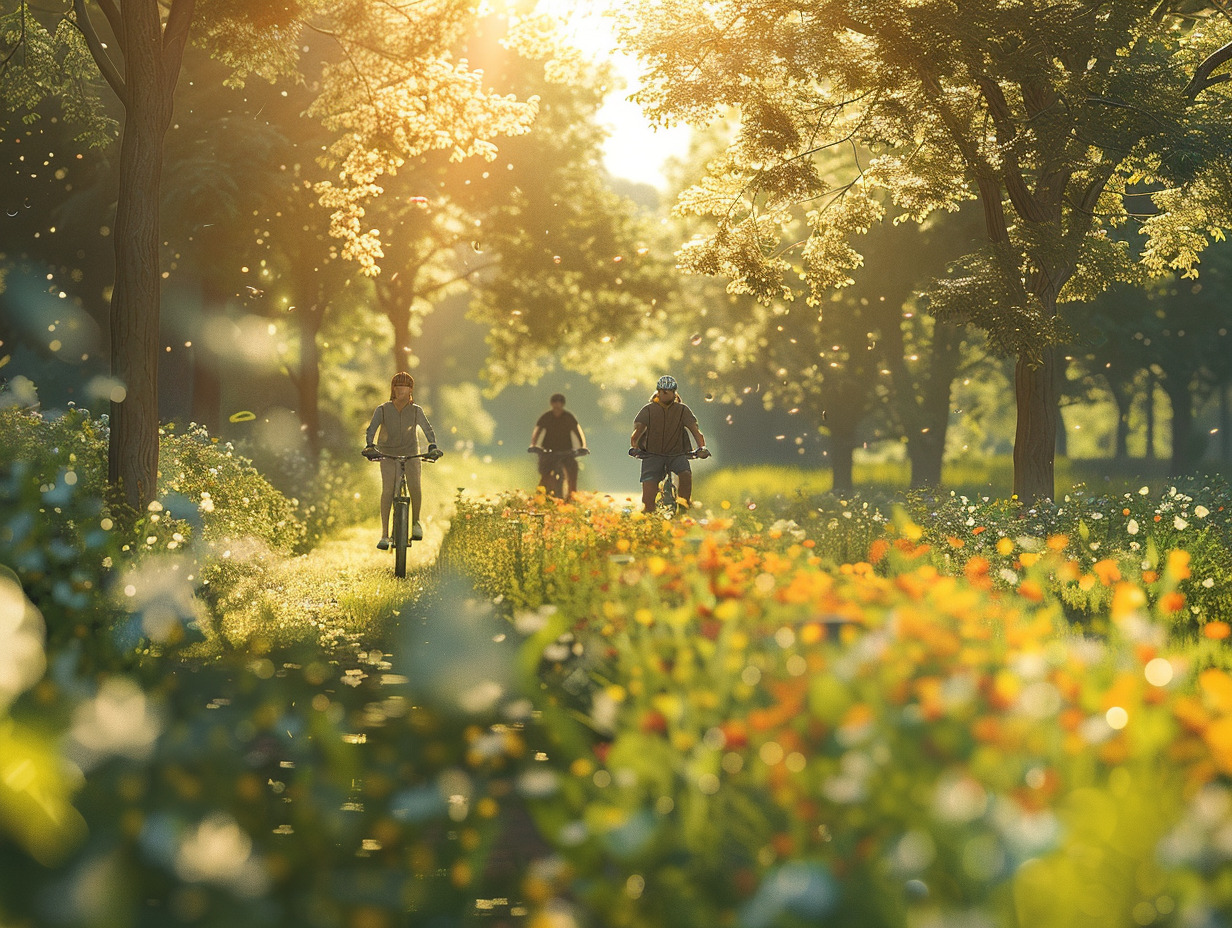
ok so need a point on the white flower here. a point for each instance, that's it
(119, 720)
(1144, 491)
(1201, 512)
(220, 852)
(1180, 523)
(1132, 526)
(22, 661)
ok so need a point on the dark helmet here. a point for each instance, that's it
(667, 382)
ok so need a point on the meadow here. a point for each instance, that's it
(893, 709)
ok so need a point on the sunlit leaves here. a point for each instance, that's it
(399, 92)
(38, 64)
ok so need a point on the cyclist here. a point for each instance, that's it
(661, 431)
(556, 430)
(394, 430)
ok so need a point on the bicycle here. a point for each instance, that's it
(665, 502)
(552, 469)
(401, 512)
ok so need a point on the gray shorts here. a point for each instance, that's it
(656, 466)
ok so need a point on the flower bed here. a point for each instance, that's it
(742, 736)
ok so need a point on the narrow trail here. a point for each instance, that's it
(344, 586)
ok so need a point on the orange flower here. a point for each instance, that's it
(1178, 564)
(978, 529)
(1172, 602)
(955, 542)
(1107, 571)
(1058, 543)
(1031, 590)
(1217, 630)
(1124, 512)
(877, 550)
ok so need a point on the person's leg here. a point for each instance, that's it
(413, 471)
(684, 487)
(571, 478)
(650, 489)
(389, 476)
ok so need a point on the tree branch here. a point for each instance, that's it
(1202, 79)
(175, 37)
(110, 72)
(1015, 184)
(112, 12)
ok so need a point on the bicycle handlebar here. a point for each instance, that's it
(430, 456)
(695, 454)
(573, 453)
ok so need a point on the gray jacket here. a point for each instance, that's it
(394, 431)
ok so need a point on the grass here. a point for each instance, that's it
(993, 476)
(344, 586)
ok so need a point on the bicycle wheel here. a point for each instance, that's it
(667, 496)
(402, 534)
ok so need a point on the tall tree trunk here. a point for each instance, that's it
(206, 376)
(924, 409)
(1035, 437)
(842, 450)
(308, 384)
(1182, 426)
(151, 68)
(1123, 401)
(1225, 424)
(1149, 453)
(397, 310)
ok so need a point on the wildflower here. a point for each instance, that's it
(1217, 630)
(1180, 524)
(1131, 526)
(1201, 512)
(1172, 602)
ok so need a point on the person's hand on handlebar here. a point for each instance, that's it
(636, 453)
(703, 452)
(582, 452)
(370, 452)
(434, 453)
(534, 449)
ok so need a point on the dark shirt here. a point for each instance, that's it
(665, 427)
(557, 431)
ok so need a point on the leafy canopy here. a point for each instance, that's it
(1051, 114)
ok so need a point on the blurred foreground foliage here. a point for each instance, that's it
(749, 732)
(892, 710)
(147, 779)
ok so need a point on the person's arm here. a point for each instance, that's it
(639, 429)
(427, 428)
(581, 436)
(370, 435)
(536, 435)
(701, 439)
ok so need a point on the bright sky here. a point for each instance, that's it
(634, 149)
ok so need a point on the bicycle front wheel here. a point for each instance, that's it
(402, 532)
(667, 497)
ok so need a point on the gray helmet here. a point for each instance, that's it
(667, 382)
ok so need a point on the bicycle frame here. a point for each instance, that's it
(552, 476)
(666, 498)
(400, 514)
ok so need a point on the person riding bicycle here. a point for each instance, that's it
(394, 430)
(556, 431)
(661, 439)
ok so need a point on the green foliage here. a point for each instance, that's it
(1045, 112)
(36, 64)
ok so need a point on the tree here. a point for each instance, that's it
(1047, 113)
(1176, 333)
(395, 91)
